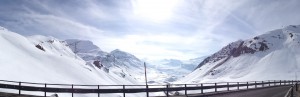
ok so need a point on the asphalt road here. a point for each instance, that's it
(264, 92)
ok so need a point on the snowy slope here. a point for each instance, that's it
(85, 49)
(274, 55)
(43, 59)
(118, 62)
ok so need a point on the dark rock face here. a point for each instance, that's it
(291, 35)
(241, 49)
(223, 53)
(206, 60)
(39, 47)
(236, 49)
(97, 64)
(263, 46)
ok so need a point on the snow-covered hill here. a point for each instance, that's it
(118, 62)
(43, 59)
(272, 56)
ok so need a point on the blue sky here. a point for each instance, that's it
(150, 29)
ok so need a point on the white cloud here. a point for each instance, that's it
(154, 10)
(60, 26)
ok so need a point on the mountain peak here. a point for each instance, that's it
(117, 50)
(82, 46)
(121, 54)
(276, 49)
(292, 29)
(117, 61)
(272, 40)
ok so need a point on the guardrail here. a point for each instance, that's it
(98, 89)
(290, 93)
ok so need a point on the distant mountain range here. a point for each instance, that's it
(119, 62)
(126, 64)
(174, 69)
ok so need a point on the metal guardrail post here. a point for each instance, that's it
(274, 82)
(227, 86)
(124, 91)
(247, 85)
(255, 84)
(238, 85)
(280, 82)
(167, 91)
(20, 88)
(98, 90)
(269, 83)
(201, 88)
(45, 90)
(72, 90)
(185, 91)
(215, 87)
(262, 83)
(147, 90)
(296, 86)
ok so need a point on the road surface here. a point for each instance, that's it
(278, 91)
(265, 92)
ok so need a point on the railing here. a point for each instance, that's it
(290, 93)
(98, 89)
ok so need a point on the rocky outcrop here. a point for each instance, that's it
(241, 49)
(236, 49)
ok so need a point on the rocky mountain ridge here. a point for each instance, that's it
(270, 56)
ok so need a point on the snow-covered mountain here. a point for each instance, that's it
(169, 70)
(43, 59)
(125, 64)
(272, 56)
(191, 64)
(118, 62)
